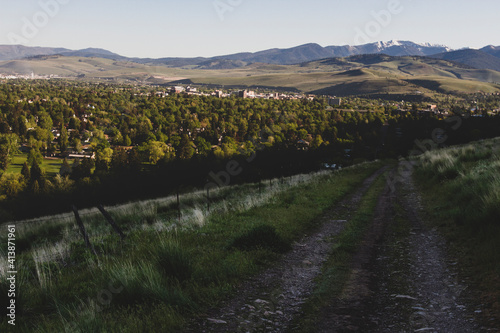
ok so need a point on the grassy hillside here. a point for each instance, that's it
(461, 187)
(365, 74)
(474, 58)
(91, 68)
(166, 269)
(453, 85)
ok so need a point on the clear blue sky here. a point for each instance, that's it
(166, 28)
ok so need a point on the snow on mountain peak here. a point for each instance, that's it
(383, 45)
(393, 43)
(433, 45)
(408, 44)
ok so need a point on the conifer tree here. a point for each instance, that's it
(25, 171)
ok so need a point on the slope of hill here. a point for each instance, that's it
(190, 267)
(11, 52)
(493, 50)
(460, 187)
(360, 74)
(474, 58)
(16, 52)
(64, 66)
(90, 69)
(316, 242)
(94, 52)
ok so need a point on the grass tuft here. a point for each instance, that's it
(261, 237)
(173, 260)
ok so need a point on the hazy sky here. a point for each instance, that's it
(166, 28)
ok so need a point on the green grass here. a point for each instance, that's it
(163, 273)
(337, 269)
(51, 166)
(468, 175)
(461, 192)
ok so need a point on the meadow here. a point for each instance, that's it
(51, 166)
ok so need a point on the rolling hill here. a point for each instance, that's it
(493, 50)
(88, 69)
(12, 52)
(360, 74)
(473, 58)
(16, 52)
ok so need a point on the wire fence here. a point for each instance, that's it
(196, 206)
(171, 199)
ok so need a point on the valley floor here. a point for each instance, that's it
(399, 277)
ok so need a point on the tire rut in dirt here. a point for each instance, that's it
(440, 303)
(364, 304)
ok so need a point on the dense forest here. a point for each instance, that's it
(144, 142)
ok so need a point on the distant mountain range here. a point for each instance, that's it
(478, 59)
(294, 55)
(486, 58)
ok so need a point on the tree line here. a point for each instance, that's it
(137, 136)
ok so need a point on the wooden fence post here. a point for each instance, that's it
(82, 229)
(178, 205)
(111, 221)
(208, 199)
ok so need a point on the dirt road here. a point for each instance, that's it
(401, 278)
